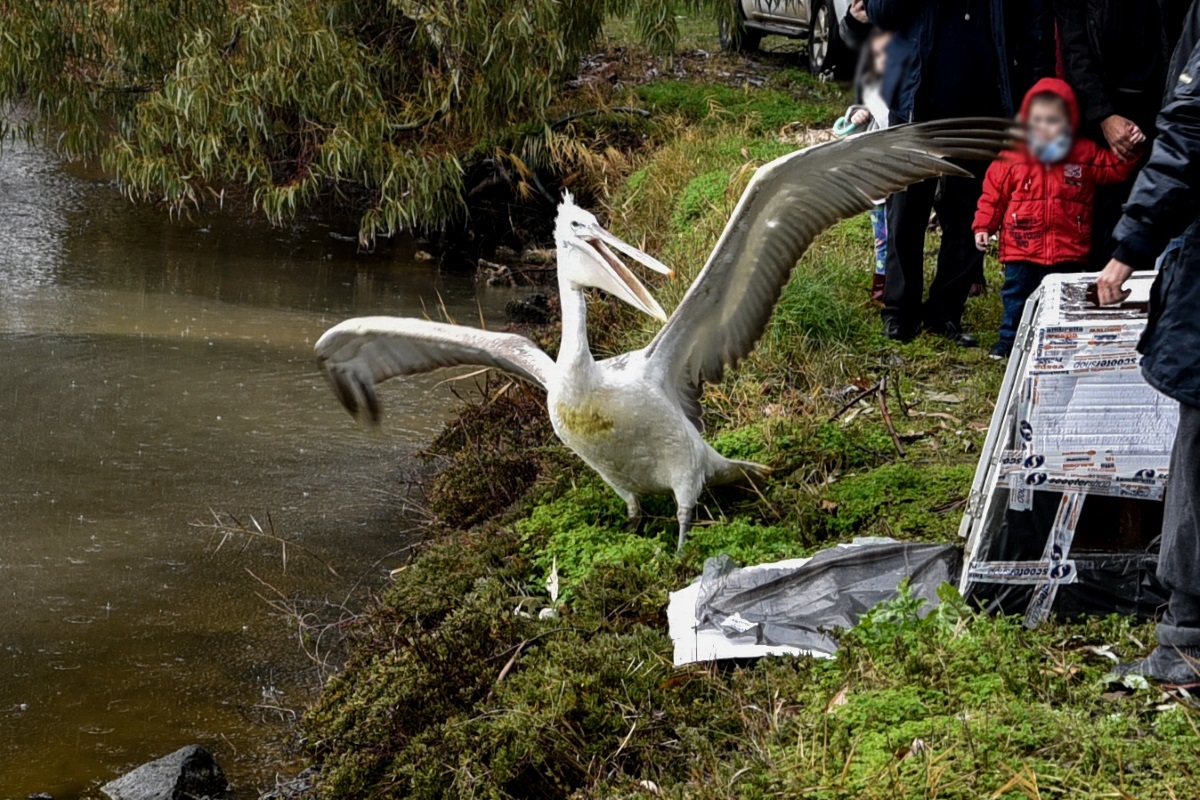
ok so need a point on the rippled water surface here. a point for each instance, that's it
(153, 372)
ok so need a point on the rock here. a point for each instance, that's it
(41, 796)
(189, 773)
(532, 310)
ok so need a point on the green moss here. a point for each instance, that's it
(842, 447)
(584, 528)
(759, 109)
(636, 180)
(746, 443)
(902, 500)
(941, 704)
(579, 551)
(746, 542)
(701, 193)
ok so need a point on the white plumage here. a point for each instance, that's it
(636, 418)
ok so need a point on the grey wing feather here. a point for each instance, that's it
(787, 203)
(359, 353)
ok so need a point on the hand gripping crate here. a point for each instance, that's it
(1076, 429)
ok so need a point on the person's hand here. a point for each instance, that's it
(1123, 135)
(981, 240)
(860, 117)
(1110, 286)
(858, 10)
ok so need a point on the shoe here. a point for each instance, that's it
(1001, 351)
(893, 330)
(954, 333)
(1172, 667)
(962, 339)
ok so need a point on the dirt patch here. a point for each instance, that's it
(622, 65)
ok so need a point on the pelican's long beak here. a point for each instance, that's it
(616, 278)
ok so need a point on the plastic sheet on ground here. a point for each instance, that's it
(790, 607)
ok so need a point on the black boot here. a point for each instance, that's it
(897, 332)
(954, 333)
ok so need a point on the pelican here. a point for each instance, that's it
(636, 418)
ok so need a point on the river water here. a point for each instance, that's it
(153, 372)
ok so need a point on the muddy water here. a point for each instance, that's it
(153, 372)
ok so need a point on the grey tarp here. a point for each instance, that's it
(798, 603)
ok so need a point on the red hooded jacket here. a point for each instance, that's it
(1044, 211)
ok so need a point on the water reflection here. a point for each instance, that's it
(35, 198)
(152, 372)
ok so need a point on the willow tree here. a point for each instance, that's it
(281, 103)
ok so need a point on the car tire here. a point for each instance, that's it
(826, 50)
(734, 36)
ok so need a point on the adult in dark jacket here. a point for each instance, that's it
(855, 26)
(950, 59)
(1189, 37)
(1116, 54)
(1163, 208)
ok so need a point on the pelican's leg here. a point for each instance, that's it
(686, 499)
(633, 507)
(684, 514)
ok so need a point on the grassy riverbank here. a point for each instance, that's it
(448, 693)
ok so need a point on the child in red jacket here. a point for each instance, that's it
(1040, 199)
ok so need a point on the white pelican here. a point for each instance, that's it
(636, 418)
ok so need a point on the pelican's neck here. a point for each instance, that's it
(574, 351)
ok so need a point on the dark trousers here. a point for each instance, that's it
(1110, 199)
(1179, 553)
(959, 263)
(1021, 280)
(1106, 213)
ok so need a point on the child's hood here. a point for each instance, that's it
(1056, 87)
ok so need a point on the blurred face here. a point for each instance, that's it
(1047, 120)
(879, 52)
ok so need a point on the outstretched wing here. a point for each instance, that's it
(787, 203)
(359, 353)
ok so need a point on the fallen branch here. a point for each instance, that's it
(900, 398)
(512, 661)
(520, 648)
(887, 417)
(951, 506)
(853, 401)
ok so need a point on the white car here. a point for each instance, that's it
(815, 20)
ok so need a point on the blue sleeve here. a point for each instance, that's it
(1164, 199)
